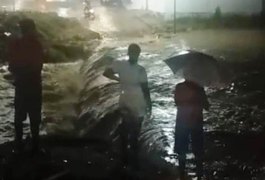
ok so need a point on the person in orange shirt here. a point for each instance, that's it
(190, 99)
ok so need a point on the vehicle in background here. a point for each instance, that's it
(89, 13)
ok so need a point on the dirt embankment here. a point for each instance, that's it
(126, 23)
(65, 39)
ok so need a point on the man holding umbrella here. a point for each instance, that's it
(190, 99)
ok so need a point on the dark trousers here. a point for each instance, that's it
(28, 100)
(182, 137)
(129, 133)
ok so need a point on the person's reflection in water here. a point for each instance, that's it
(190, 99)
(25, 63)
(134, 102)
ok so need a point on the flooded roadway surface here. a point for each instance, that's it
(233, 125)
(237, 110)
(60, 95)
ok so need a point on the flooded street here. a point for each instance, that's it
(236, 110)
(60, 94)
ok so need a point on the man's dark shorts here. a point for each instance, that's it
(28, 101)
(183, 135)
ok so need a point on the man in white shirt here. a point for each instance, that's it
(135, 101)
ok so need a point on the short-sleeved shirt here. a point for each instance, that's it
(131, 76)
(190, 99)
(25, 54)
(26, 59)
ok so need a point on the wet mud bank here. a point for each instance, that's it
(63, 39)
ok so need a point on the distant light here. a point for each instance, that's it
(183, 52)
(7, 33)
(91, 11)
(63, 12)
(55, 0)
(65, 161)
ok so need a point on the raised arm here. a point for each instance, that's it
(109, 73)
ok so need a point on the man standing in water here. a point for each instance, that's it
(134, 101)
(25, 63)
(190, 99)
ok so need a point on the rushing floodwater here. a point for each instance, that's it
(61, 87)
(226, 114)
(235, 108)
(230, 112)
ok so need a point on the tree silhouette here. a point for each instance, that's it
(218, 13)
